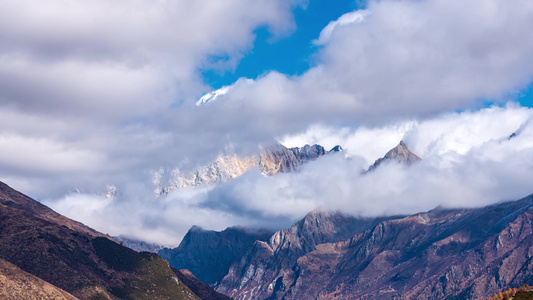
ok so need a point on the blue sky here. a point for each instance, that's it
(291, 55)
(525, 97)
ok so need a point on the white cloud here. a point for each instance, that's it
(348, 18)
(405, 59)
(114, 80)
(20, 155)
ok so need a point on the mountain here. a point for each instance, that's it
(74, 258)
(440, 254)
(399, 154)
(258, 274)
(270, 160)
(524, 292)
(208, 254)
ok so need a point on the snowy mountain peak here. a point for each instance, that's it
(212, 96)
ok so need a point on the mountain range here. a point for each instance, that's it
(439, 254)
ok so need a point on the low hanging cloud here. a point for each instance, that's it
(468, 160)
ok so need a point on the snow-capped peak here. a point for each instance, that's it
(211, 96)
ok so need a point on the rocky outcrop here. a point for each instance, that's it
(208, 254)
(80, 261)
(399, 154)
(440, 254)
(271, 160)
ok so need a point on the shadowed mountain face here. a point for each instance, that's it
(209, 254)
(399, 154)
(81, 261)
(441, 254)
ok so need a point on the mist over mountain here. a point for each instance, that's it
(270, 160)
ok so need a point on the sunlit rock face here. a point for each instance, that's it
(270, 161)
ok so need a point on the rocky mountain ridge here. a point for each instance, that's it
(440, 254)
(270, 160)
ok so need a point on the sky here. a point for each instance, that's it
(102, 93)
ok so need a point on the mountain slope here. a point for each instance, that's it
(441, 254)
(84, 264)
(12, 198)
(15, 284)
